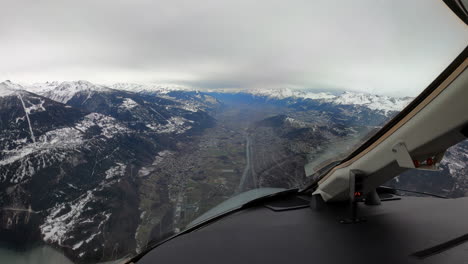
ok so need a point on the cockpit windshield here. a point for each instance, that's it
(123, 123)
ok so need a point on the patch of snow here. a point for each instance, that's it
(190, 107)
(144, 171)
(128, 104)
(20, 118)
(296, 123)
(77, 245)
(35, 107)
(177, 125)
(52, 146)
(109, 125)
(63, 217)
(158, 159)
(38, 155)
(72, 186)
(92, 237)
(116, 171)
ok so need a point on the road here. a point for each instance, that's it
(248, 170)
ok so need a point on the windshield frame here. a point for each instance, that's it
(366, 146)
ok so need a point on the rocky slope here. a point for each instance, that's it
(76, 167)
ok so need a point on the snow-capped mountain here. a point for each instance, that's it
(64, 91)
(79, 92)
(7, 88)
(372, 101)
(41, 88)
(283, 93)
(150, 87)
(62, 161)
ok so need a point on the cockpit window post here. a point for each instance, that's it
(356, 194)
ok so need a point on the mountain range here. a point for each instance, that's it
(76, 164)
(101, 171)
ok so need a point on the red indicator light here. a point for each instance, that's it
(357, 194)
(429, 161)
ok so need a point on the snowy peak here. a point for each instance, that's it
(371, 101)
(134, 87)
(41, 88)
(152, 87)
(282, 93)
(8, 88)
(374, 102)
(66, 90)
(79, 86)
(63, 92)
(11, 85)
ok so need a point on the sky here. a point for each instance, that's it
(386, 47)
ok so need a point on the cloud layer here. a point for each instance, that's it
(387, 47)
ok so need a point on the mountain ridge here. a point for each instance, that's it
(126, 166)
(372, 101)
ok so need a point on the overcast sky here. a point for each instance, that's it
(394, 47)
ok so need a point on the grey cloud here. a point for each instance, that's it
(390, 47)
